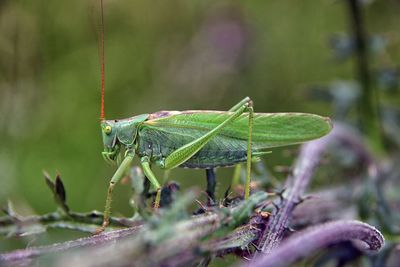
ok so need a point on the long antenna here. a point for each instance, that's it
(102, 59)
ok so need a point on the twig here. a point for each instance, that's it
(308, 241)
(166, 240)
(297, 183)
(83, 222)
(29, 253)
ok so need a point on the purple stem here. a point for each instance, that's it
(26, 254)
(309, 240)
(297, 182)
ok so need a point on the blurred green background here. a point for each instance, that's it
(160, 55)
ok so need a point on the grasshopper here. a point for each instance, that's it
(199, 139)
(202, 139)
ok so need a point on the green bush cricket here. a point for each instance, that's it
(203, 139)
(199, 138)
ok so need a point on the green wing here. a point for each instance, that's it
(269, 129)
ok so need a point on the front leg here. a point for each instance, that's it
(115, 179)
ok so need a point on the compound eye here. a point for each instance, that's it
(107, 129)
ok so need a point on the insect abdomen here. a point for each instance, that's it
(212, 159)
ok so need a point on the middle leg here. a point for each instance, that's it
(145, 161)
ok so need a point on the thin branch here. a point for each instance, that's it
(167, 240)
(26, 254)
(308, 241)
(14, 224)
(297, 183)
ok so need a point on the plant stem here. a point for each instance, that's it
(298, 181)
(29, 253)
(368, 106)
(306, 242)
(171, 238)
(84, 222)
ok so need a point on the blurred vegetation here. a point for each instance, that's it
(168, 55)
